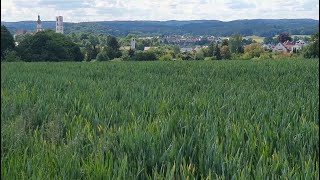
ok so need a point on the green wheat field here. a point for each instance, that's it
(160, 120)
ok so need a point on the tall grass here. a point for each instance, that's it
(160, 120)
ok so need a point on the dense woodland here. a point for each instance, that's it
(258, 27)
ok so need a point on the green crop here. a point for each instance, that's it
(160, 120)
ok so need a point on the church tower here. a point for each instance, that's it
(133, 44)
(39, 25)
(59, 24)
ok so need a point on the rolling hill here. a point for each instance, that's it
(257, 27)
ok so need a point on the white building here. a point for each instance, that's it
(280, 48)
(296, 48)
(301, 43)
(59, 24)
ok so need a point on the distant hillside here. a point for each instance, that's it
(258, 27)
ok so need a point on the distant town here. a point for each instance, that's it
(186, 43)
(102, 46)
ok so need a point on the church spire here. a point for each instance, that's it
(39, 21)
(39, 25)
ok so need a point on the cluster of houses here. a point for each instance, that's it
(286, 47)
(184, 41)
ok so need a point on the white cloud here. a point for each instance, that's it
(99, 10)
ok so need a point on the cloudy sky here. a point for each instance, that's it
(105, 10)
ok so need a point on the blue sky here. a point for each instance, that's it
(105, 10)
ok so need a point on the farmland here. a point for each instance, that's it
(160, 120)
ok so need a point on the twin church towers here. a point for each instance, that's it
(59, 24)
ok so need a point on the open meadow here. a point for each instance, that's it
(160, 120)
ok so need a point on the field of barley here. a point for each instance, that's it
(160, 120)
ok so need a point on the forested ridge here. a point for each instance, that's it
(259, 27)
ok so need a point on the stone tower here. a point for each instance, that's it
(39, 25)
(59, 24)
(133, 44)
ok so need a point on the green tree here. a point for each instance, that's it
(130, 52)
(217, 54)
(102, 56)
(225, 52)
(84, 36)
(112, 48)
(248, 41)
(167, 57)
(75, 38)
(145, 56)
(94, 41)
(199, 55)
(225, 42)
(19, 38)
(283, 37)
(176, 49)
(211, 49)
(205, 51)
(49, 46)
(11, 56)
(312, 49)
(235, 44)
(7, 42)
(268, 40)
(253, 50)
(89, 54)
(185, 56)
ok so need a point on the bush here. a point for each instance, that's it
(166, 57)
(225, 52)
(103, 56)
(185, 56)
(312, 49)
(266, 55)
(245, 56)
(278, 56)
(199, 55)
(253, 50)
(125, 57)
(144, 56)
(11, 56)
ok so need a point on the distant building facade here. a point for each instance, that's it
(280, 48)
(289, 47)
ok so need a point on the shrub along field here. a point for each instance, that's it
(160, 120)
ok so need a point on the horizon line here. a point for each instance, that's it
(168, 20)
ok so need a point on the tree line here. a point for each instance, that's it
(50, 46)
